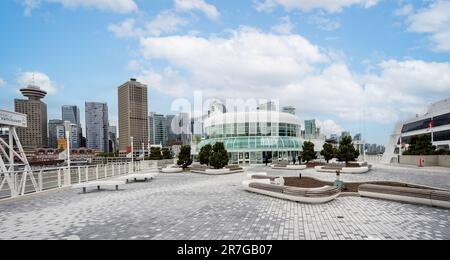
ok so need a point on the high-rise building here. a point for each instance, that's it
(71, 114)
(172, 137)
(269, 106)
(73, 130)
(113, 145)
(289, 109)
(97, 126)
(157, 129)
(35, 135)
(53, 132)
(133, 114)
(310, 129)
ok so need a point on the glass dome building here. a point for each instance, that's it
(249, 137)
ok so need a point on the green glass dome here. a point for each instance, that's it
(256, 143)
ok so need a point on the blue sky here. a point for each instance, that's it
(382, 60)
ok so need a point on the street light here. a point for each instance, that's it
(132, 153)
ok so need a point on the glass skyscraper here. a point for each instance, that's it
(97, 126)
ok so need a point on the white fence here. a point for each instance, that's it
(55, 178)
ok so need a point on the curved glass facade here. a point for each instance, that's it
(253, 129)
(252, 142)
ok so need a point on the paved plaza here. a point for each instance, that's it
(192, 206)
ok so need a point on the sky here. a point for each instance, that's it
(356, 65)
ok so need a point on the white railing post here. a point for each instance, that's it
(86, 172)
(79, 174)
(96, 172)
(67, 177)
(59, 178)
(40, 180)
(106, 171)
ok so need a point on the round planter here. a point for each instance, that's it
(217, 171)
(172, 170)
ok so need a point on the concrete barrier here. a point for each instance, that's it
(428, 160)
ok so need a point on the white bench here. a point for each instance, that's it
(99, 185)
(138, 177)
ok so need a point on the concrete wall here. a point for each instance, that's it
(444, 160)
(430, 160)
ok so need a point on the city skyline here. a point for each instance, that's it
(390, 58)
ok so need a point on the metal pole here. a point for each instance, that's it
(132, 153)
(68, 149)
(67, 179)
(143, 152)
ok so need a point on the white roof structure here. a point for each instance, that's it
(252, 117)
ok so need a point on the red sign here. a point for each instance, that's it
(128, 149)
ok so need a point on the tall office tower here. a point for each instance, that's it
(172, 137)
(269, 106)
(290, 110)
(157, 129)
(72, 115)
(113, 145)
(73, 130)
(310, 129)
(97, 126)
(133, 114)
(35, 135)
(53, 132)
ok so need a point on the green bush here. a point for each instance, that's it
(308, 153)
(184, 158)
(328, 152)
(167, 154)
(421, 145)
(347, 151)
(219, 156)
(204, 154)
(155, 153)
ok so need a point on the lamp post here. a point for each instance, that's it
(132, 154)
(67, 178)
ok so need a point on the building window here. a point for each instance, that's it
(441, 136)
(419, 125)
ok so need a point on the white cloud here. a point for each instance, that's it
(39, 79)
(329, 127)
(249, 63)
(118, 6)
(2, 82)
(323, 22)
(198, 5)
(331, 6)
(164, 23)
(405, 10)
(435, 21)
(284, 27)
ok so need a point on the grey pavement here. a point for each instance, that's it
(192, 206)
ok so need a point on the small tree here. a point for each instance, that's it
(155, 153)
(328, 152)
(219, 156)
(308, 153)
(167, 154)
(347, 151)
(184, 158)
(204, 154)
(421, 145)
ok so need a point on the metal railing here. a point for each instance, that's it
(56, 178)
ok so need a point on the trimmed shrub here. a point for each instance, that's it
(219, 156)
